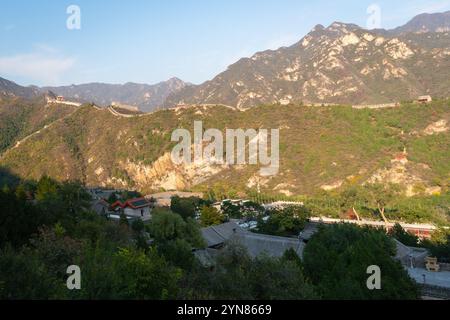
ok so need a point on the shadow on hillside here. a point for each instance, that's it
(8, 178)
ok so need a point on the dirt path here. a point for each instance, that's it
(23, 140)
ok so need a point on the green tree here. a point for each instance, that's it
(24, 276)
(381, 196)
(130, 195)
(56, 250)
(439, 245)
(285, 222)
(210, 216)
(185, 207)
(166, 225)
(291, 255)
(123, 219)
(351, 198)
(98, 285)
(403, 236)
(337, 257)
(237, 276)
(140, 237)
(192, 234)
(138, 226)
(6, 189)
(178, 252)
(112, 198)
(19, 219)
(231, 210)
(47, 188)
(144, 276)
(279, 279)
(74, 197)
(21, 192)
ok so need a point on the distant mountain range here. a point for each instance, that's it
(11, 89)
(146, 97)
(342, 63)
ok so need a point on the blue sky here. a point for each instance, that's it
(148, 41)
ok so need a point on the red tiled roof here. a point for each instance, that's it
(132, 203)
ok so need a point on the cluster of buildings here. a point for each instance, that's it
(138, 208)
(433, 277)
(135, 208)
(142, 207)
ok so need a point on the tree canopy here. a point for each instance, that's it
(337, 257)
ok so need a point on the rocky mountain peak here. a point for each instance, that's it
(175, 82)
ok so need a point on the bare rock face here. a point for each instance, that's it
(332, 186)
(163, 174)
(437, 127)
(342, 63)
(401, 173)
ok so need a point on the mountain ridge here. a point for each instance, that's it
(412, 62)
(11, 89)
(146, 97)
(426, 22)
(283, 72)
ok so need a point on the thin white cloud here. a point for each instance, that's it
(44, 48)
(42, 66)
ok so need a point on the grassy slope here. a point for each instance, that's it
(20, 118)
(317, 146)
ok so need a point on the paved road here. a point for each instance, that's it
(441, 279)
